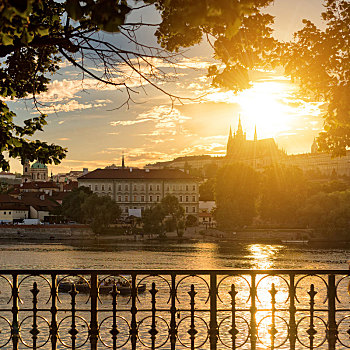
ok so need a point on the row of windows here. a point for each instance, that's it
(187, 209)
(9, 213)
(142, 187)
(154, 198)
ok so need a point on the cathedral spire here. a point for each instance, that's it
(255, 135)
(239, 129)
(123, 163)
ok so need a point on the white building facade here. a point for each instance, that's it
(142, 188)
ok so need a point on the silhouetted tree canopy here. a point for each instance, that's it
(35, 35)
(236, 192)
(320, 61)
(283, 192)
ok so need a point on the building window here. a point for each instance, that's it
(150, 188)
(180, 198)
(4, 212)
(135, 198)
(193, 198)
(142, 198)
(96, 187)
(142, 187)
(157, 187)
(157, 198)
(193, 209)
(9, 213)
(109, 188)
(90, 187)
(186, 210)
(126, 198)
(142, 208)
(194, 187)
(119, 198)
(186, 198)
(135, 188)
(150, 198)
(186, 187)
(126, 187)
(126, 209)
(119, 187)
(103, 187)
(167, 188)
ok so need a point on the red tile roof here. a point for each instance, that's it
(38, 185)
(136, 174)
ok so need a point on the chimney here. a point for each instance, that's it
(131, 170)
(147, 170)
(85, 171)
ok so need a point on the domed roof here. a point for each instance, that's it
(38, 165)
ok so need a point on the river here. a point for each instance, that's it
(156, 255)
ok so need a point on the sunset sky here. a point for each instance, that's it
(84, 117)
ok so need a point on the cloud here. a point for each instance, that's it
(63, 139)
(166, 121)
(70, 106)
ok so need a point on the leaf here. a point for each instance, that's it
(6, 39)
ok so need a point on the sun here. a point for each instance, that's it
(268, 104)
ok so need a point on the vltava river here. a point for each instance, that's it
(157, 255)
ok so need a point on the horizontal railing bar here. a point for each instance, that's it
(177, 310)
(173, 272)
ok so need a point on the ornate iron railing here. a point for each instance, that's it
(174, 309)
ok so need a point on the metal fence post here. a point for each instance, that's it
(292, 311)
(15, 325)
(94, 309)
(53, 310)
(213, 312)
(332, 324)
(173, 330)
(253, 335)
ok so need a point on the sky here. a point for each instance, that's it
(84, 116)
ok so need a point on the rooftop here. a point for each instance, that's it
(136, 174)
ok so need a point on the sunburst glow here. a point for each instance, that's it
(270, 105)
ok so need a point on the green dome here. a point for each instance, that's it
(38, 165)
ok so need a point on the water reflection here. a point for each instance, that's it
(263, 256)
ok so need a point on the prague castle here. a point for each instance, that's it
(260, 154)
(256, 153)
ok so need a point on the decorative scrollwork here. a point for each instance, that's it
(123, 328)
(39, 343)
(201, 338)
(162, 332)
(226, 282)
(5, 332)
(266, 331)
(303, 332)
(241, 336)
(66, 338)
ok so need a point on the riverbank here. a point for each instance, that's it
(83, 233)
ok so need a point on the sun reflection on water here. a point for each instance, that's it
(262, 256)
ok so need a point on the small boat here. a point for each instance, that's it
(105, 287)
(292, 241)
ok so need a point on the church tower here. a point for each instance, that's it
(240, 135)
(26, 173)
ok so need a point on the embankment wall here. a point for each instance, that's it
(45, 232)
